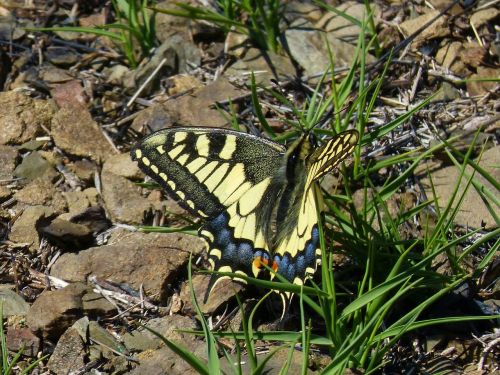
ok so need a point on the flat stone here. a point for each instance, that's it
(23, 118)
(122, 165)
(224, 290)
(69, 353)
(281, 67)
(41, 192)
(473, 212)
(96, 306)
(55, 311)
(13, 303)
(68, 235)
(23, 339)
(25, 227)
(152, 261)
(33, 166)
(123, 199)
(8, 160)
(78, 134)
(104, 341)
(77, 201)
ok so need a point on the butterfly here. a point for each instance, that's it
(258, 199)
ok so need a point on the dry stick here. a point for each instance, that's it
(146, 82)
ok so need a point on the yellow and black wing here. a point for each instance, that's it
(225, 177)
(297, 250)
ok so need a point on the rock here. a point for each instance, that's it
(137, 259)
(25, 227)
(473, 212)
(34, 166)
(70, 95)
(78, 134)
(69, 353)
(182, 83)
(55, 311)
(223, 292)
(298, 9)
(5, 193)
(440, 28)
(62, 56)
(168, 326)
(281, 67)
(103, 341)
(41, 192)
(122, 165)
(96, 306)
(13, 303)
(480, 17)
(483, 81)
(22, 117)
(179, 53)
(94, 218)
(68, 235)
(77, 201)
(8, 160)
(123, 200)
(448, 56)
(163, 360)
(84, 169)
(22, 339)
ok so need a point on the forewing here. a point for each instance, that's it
(207, 169)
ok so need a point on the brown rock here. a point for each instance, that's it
(69, 353)
(68, 235)
(224, 290)
(123, 200)
(78, 134)
(122, 165)
(96, 306)
(22, 117)
(25, 227)
(55, 311)
(70, 95)
(84, 169)
(23, 339)
(473, 212)
(477, 83)
(77, 201)
(439, 28)
(41, 192)
(8, 160)
(151, 260)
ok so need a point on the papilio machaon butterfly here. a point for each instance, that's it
(257, 197)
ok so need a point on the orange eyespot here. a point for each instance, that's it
(258, 262)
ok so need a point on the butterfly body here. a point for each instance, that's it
(258, 199)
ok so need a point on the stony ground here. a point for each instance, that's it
(76, 276)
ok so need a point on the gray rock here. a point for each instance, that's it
(141, 339)
(163, 360)
(8, 160)
(151, 260)
(33, 166)
(123, 199)
(103, 342)
(24, 229)
(281, 67)
(78, 134)
(55, 311)
(62, 56)
(22, 117)
(69, 354)
(13, 303)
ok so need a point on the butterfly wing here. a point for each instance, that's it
(223, 176)
(297, 254)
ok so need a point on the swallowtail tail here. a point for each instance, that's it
(256, 197)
